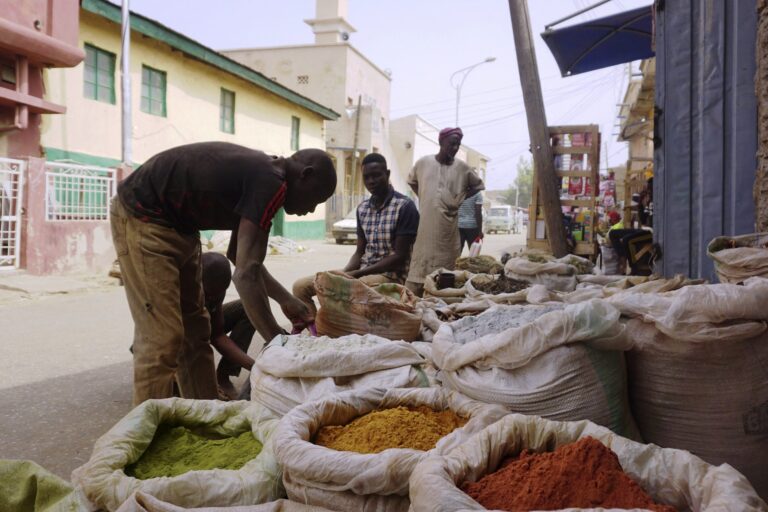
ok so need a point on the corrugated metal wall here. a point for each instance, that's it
(706, 133)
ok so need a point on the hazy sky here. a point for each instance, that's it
(423, 42)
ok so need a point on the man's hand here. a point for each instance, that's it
(297, 312)
(480, 235)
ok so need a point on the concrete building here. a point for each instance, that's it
(413, 137)
(182, 92)
(333, 72)
(33, 38)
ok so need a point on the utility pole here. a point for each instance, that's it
(353, 180)
(543, 159)
(125, 83)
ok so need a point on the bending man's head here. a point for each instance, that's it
(311, 179)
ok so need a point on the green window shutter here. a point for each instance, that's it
(295, 127)
(227, 111)
(153, 90)
(99, 74)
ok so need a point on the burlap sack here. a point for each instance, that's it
(348, 481)
(699, 372)
(448, 295)
(349, 306)
(143, 502)
(673, 477)
(738, 258)
(105, 483)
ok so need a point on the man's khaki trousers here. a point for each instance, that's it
(162, 274)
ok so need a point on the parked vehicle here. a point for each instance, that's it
(500, 218)
(346, 229)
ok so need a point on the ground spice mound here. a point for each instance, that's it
(177, 450)
(501, 284)
(419, 428)
(584, 474)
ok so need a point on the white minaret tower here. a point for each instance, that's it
(330, 24)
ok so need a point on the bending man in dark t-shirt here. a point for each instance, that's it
(156, 218)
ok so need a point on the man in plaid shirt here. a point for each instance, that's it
(386, 230)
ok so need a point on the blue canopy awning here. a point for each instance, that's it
(603, 42)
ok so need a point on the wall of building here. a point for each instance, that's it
(90, 132)
(706, 130)
(761, 89)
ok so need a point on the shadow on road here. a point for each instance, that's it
(55, 422)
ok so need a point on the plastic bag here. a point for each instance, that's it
(563, 365)
(673, 477)
(292, 370)
(476, 247)
(105, 483)
(349, 306)
(363, 482)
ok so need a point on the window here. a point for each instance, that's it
(99, 78)
(295, 125)
(302, 79)
(227, 111)
(153, 91)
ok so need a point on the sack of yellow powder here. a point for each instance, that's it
(349, 306)
(105, 482)
(295, 369)
(352, 481)
(143, 502)
(567, 364)
(669, 476)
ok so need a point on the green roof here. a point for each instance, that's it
(192, 48)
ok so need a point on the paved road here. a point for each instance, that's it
(65, 369)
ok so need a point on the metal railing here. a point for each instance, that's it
(77, 192)
(11, 193)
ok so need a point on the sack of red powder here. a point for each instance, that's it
(567, 364)
(669, 476)
(698, 372)
(350, 481)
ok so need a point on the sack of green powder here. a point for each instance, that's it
(562, 363)
(105, 482)
(349, 306)
(25, 486)
(292, 370)
(143, 502)
(698, 372)
(738, 258)
(349, 481)
(673, 477)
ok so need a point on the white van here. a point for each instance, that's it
(500, 218)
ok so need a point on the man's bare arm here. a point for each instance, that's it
(354, 261)
(249, 278)
(392, 262)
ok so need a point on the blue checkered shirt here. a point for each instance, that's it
(398, 216)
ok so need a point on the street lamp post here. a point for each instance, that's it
(457, 84)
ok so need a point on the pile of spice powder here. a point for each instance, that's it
(419, 428)
(177, 450)
(584, 474)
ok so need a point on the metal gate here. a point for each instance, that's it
(11, 191)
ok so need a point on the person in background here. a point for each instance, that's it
(156, 219)
(387, 223)
(441, 182)
(470, 220)
(231, 331)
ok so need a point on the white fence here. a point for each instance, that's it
(77, 192)
(11, 192)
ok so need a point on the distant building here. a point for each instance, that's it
(182, 92)
(33, 38)
(413, 137)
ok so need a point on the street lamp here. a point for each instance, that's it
(458, 85)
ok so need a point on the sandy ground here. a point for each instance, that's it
(65, 369)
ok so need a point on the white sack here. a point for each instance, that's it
(295, 369)
(449, 295)
(341, 480)
(555, 275)
(673, 477)
(105, 483)
(142, 502)
(740, 257)
(563, 365)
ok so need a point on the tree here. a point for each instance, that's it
(523, 186)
